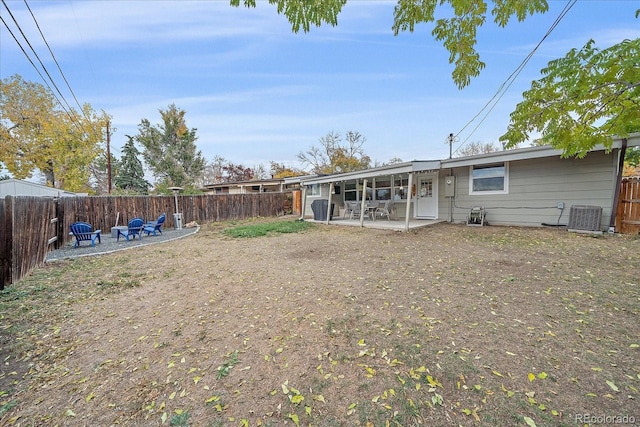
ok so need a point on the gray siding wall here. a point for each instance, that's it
(324, 192)
(535, 188)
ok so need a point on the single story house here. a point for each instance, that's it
(18, 187)
(277, 185)
(530, 186)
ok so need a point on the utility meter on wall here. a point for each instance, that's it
(450, 185)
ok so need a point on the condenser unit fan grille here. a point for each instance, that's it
(585, 218)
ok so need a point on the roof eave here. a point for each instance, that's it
(395, 169)
(528, 153)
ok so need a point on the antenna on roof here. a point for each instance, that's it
(450, 140)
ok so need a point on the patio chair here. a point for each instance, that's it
(353, 209)
(83, 231)
(134, 228)
(347, 210)
(385, 210)
(155, 226)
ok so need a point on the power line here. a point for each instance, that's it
(52, 55)
(34, 66)
(59, 68)
(37, 57)
(68, 110)
(509, 81)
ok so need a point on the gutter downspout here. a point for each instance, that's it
(616, 195)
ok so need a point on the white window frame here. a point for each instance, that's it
(314, 190)
(350, 189)
(505, 189)
(387, 187)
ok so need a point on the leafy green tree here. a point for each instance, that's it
(632, 157)
(582, 100)
(130, 175)
(37, 134)
(169, 149)
(458, 34)
(334, 156)
(632, 162)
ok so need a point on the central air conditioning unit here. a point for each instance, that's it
(585, 218)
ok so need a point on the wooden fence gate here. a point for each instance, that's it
(628, 211)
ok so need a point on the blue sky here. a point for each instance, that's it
(256, 92)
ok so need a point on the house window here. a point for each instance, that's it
(350, 191)
(369, 191)
(400, 189)
(353, 191)
(313, 190)
(383, 190)
(489, 179)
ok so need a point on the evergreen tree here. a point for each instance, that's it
(170, 149)
(131, 174)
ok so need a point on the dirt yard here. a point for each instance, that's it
(443, 326)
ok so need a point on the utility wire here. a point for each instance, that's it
(52, 55)
(36, 54)
(34, 66)
(509, 81)
(59, 68)
(68, 110)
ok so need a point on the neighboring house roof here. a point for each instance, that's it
(247, 183)
(434, 165)
(18, 187)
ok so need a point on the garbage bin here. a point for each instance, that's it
(177, 220)
(319, 208)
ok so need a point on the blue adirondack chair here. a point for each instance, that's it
(155, 226)
(134, 228)
(83, 231)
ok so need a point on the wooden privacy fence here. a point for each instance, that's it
(628, 211)
(30, 227)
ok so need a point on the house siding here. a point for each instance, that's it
(534, 189)
(324, 193)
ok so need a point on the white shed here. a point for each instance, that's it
(17, 187)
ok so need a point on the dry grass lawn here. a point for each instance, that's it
(443, 326)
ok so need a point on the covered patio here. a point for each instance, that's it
(411, 188)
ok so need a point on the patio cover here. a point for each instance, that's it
(409, 168)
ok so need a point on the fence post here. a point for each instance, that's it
(6, 241)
